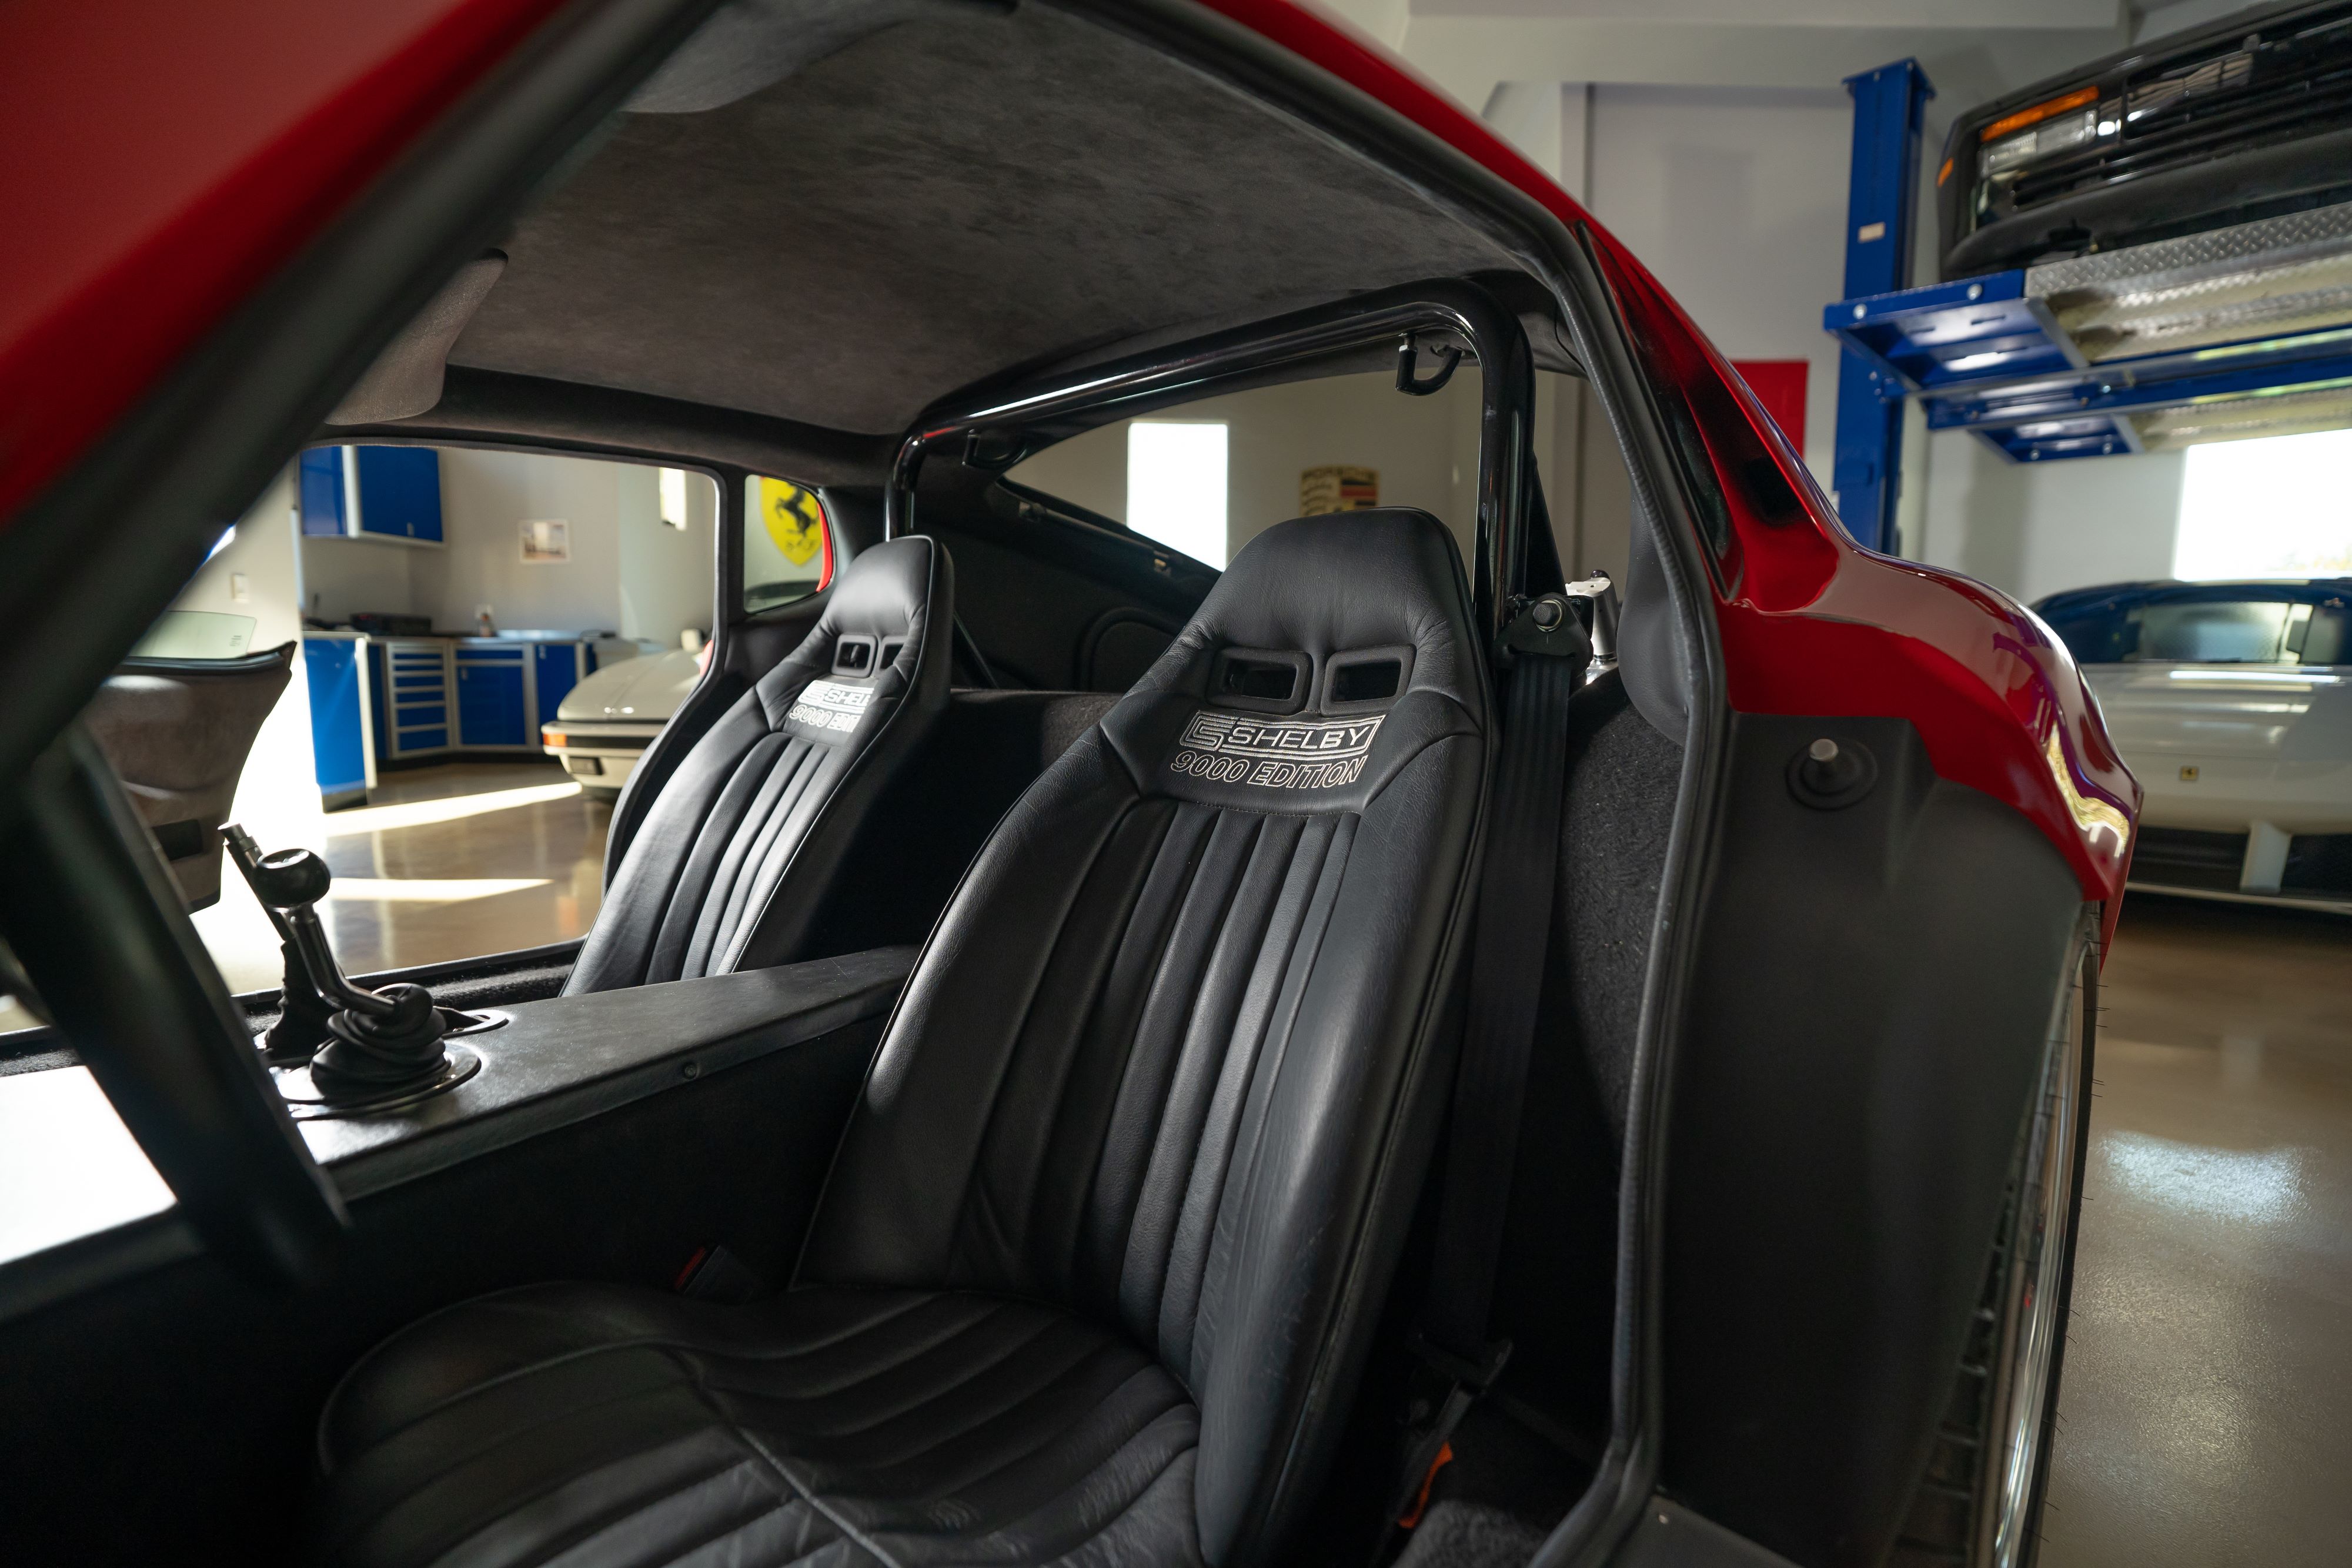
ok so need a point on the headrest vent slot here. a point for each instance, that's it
(1260, 680)
(852, 655)
(1366, 678)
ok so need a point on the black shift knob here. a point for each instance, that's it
(291, 879)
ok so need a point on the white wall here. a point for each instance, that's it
(629, 572)
(666, 572)
(256, 572)
(2030, 530)
(1736, 198)
(1426, 450)
(486, 497)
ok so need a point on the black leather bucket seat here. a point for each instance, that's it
(736, 861)
(1095, 1270)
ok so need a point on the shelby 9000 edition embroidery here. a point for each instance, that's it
(1298, 753)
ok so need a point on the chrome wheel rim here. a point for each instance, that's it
(2032, 1301)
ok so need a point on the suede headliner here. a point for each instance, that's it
(943, 201)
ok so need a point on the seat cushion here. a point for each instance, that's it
(577, 1424)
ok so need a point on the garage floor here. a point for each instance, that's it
(465, 859)
(2207, 1407)
(443, 863)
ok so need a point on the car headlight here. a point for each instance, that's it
(2053, 136)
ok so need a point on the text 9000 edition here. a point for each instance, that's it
(1295, 753)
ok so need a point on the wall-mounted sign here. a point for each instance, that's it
(546, 541)
(1337, 487)
(795, 521)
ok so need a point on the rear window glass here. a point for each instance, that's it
(1207, 477)
(2208, 631)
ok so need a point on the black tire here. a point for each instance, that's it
(1980, 1503)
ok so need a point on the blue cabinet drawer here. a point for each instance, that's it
(490, 704)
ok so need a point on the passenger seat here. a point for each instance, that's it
(743, 849)
(1110, 1226)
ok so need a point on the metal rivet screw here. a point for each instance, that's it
(1822, 750)
(1858, 311)
(690, 1071)
(1547, 612)
(1976, 291)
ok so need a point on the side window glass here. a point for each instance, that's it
(787, 543)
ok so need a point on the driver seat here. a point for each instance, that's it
(734, 866)
(1094, 1270)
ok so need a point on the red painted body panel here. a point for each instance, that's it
(1813, 624)
(148, 200)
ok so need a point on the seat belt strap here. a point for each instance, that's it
(1548, 652)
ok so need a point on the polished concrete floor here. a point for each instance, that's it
(2207, 1407)
(442, 862)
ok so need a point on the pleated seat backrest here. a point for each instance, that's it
(1174, 1055)
(749, 835)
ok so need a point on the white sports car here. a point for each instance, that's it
(605, 723)
(2232, 702)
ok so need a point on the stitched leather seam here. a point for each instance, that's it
(1132, 1503)
(1161, 981)
(928, 1394)
(639, 1342)
(1019, 1024)
(506, 1435)
(1060, 1434)
(1305, 954)
(784, 1474)
(1279, 967)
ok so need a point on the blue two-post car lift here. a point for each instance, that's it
(2034, 361)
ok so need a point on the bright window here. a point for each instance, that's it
(1176, 485)
(2275, 507)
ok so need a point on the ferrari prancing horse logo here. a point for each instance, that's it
(795, 520)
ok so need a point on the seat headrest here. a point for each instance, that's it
(871, 644)
(1331, 651)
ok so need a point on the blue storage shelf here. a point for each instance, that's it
(1981, 354)
(1949, 334)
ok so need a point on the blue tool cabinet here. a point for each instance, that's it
(391, 493)
(396, 699)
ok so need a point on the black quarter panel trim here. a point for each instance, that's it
(1864, 1037)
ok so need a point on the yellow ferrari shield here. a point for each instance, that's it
(795, 520)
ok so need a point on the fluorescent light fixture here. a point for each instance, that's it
(2266, 509)
(673, 496)
(1176, 485)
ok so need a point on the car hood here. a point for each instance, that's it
(2267, 712)
(648, 688)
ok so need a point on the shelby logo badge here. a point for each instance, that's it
(829, 705)
(1293, 754)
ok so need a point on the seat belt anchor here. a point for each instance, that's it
(1466, 1379)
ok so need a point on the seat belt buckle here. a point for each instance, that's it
(1430, 1442)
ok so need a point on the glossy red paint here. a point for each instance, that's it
(165, 157)
(1812, 623)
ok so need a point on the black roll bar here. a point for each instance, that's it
(997, 430)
